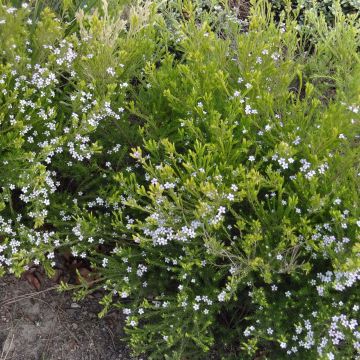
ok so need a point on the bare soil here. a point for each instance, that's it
(48, 325)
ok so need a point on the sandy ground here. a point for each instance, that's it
(47, 325)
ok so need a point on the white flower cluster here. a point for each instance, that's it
(163, 235)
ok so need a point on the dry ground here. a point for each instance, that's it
(47, 325)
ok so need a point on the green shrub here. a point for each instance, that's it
(208, 172)
(61, 96)
(239, 231)
(326, 7)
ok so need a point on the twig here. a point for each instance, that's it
(46, 348)
(7, 353)
(26, 296)
(112, 337)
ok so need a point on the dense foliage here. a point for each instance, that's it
(206, 167)
(327, 7)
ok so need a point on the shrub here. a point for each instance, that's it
(58, 129)
(233, 222)
(326, 7)
(239, 230)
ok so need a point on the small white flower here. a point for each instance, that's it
(234, 187)
(231, 197)
(221, 296)
(105, 262)
(11, 10)
(110, 71)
